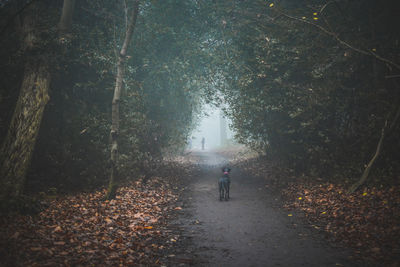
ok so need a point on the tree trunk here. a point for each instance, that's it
(66, 15)
(365, 174)
(114, 178)
(21, 137)
(18, 146)
(222, 127)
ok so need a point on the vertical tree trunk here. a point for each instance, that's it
(222, 127)
(66, 15)
(18, 146)
(116, 100)
(21, 137)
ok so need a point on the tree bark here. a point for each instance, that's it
(21, 137)
(114, 178)
(18, 145)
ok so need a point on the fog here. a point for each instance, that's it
(210, 129)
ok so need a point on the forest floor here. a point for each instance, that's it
(252, 228)
(176, 219)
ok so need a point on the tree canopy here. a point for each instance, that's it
(311, 84)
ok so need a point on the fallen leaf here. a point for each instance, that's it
(58, 229)
(15, 235)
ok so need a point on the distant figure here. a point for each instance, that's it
(203, 141)
(190, 143)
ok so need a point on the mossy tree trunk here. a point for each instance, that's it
(114, 178)
(17, 147)
(21, 137)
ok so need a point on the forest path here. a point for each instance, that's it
(250, 229)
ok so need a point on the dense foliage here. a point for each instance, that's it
(161, 99)
(313, 83)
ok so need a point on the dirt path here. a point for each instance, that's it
(249, 230)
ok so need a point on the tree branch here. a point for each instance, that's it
(335, 36)
(365, 174)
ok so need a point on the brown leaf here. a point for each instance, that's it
(108, 220)
(58, 229)
(15, 235)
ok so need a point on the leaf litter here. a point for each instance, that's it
(86, 230)
(367, 221)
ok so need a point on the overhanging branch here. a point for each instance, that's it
(336, 37)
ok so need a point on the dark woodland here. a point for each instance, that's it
(99, 98)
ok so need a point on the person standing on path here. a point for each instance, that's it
(203, 141)
(189, 143)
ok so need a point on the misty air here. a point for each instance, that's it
(199, 133)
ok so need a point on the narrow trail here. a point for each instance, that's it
(249, 230)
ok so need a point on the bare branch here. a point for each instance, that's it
(327, 4)
(335, 36)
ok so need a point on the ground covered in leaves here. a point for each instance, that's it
(85, 230)
(368, 221)
(135, 228)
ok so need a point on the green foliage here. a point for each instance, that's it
(290, 75)
(160, 103)
(298, 94)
